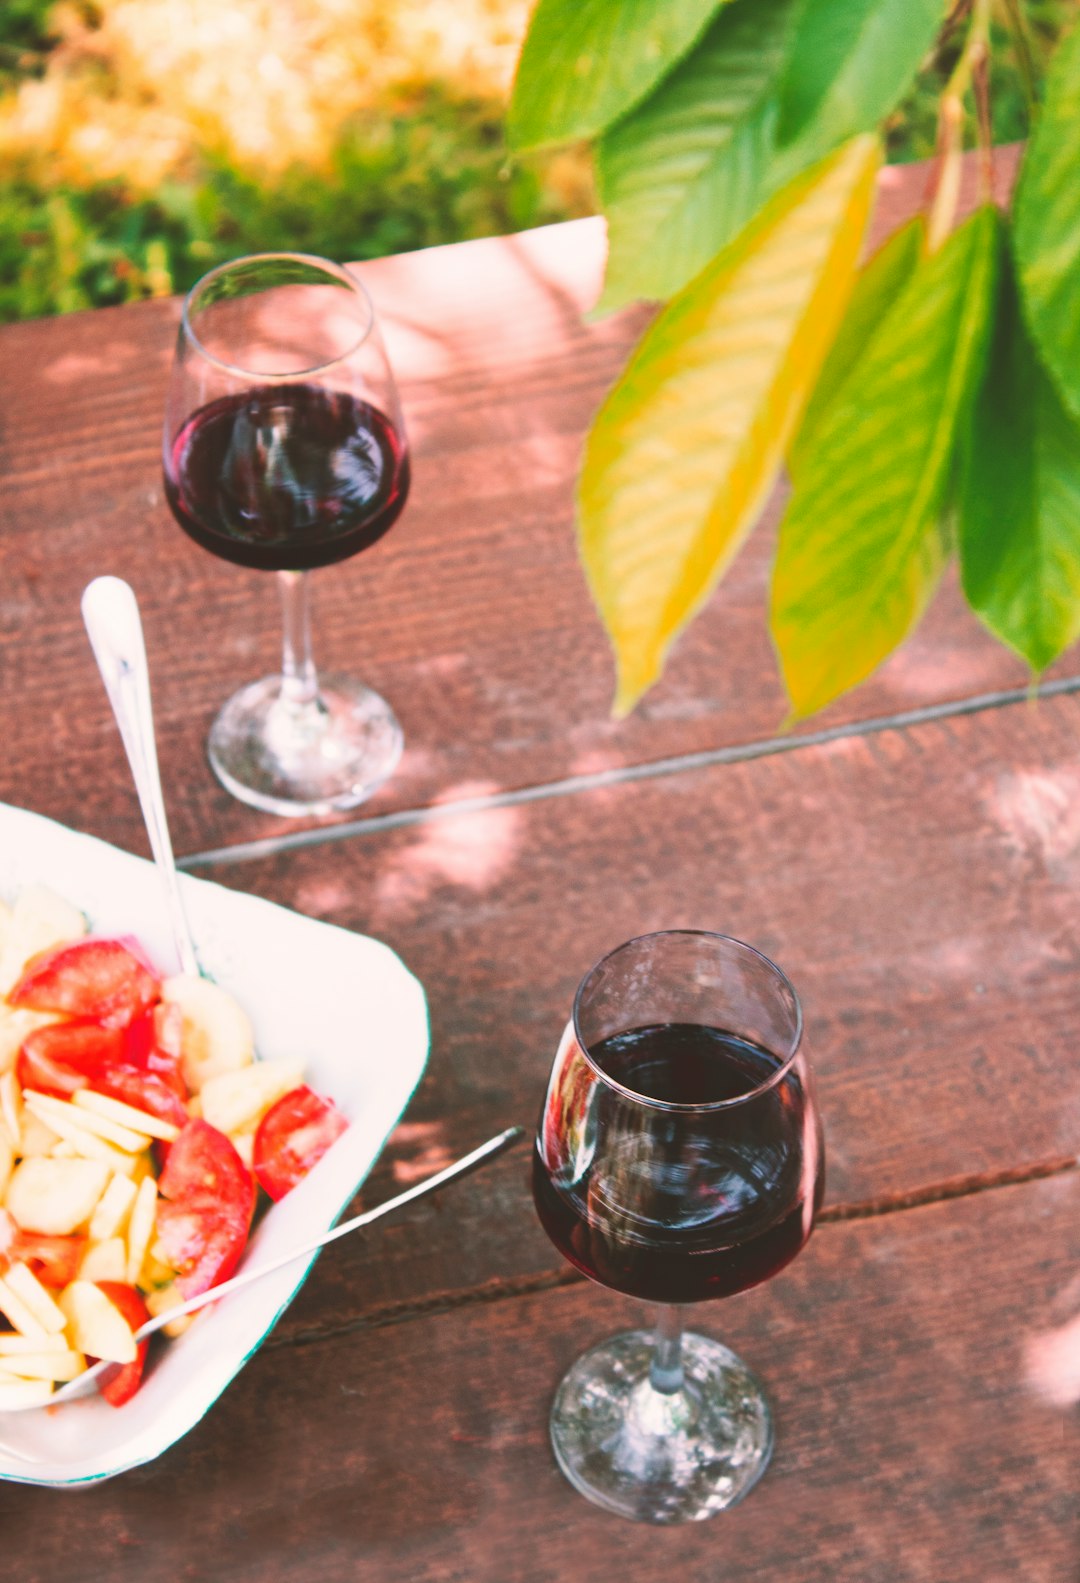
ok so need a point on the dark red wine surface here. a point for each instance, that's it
(678, 1206)
(286, 477)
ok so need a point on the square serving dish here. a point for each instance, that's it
(343, 1003)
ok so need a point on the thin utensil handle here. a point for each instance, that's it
(469, 1162)
(111, 615)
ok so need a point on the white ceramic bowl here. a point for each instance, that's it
(341, 1002)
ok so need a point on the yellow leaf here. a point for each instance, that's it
(687, 446)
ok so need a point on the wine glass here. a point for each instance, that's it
(679, 1157)
(284, 449)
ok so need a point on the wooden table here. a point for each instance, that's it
(912, 858)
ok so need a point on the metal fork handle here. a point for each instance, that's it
(468, 1162)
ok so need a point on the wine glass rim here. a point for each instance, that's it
(342, 272)
(714, 1104)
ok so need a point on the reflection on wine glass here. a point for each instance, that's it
(284, 449)
(679, 1157)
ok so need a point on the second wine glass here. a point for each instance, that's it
(679, 1157)
(284, 449)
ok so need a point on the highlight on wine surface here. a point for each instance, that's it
(679, 1157)
(284, 449)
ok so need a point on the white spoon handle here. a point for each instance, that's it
(112, 621)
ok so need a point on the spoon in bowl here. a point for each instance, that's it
(111, 614)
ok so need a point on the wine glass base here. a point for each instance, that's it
(318, 757)
(654, 1457)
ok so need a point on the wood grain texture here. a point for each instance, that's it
(472, 616)
(911, 1447)
(919, 886)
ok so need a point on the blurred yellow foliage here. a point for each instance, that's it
(266, 82)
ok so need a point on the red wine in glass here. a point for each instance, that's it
(284, 449)
(678, 1157)
(699, 1208)
(287, 477)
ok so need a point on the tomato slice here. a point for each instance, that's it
(119, 1386)
(148, 1076)
(54, 1260)
(67, 1056)
(205, 1208)
(140, 1037)
(145, 1090)
(151, 1045)
(62, 1057)
(101, 979)
(292, 1137)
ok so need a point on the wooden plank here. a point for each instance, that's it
(919, 886)
(472, 616)
(910, 1446)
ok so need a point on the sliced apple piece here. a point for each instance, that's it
(104, 1261)
(244, 1144)
(110, 1218)
(35, 1137)
(16, 1313)
(141, 1121)
(12, 1345)
(160, 1300)
(235, 1100)
(11, 1107)
(141, 1228)
(56, 1197)
(215, 1035)
(7, 1159)
(86, 1144)
(156, 1271)
(59, 1366)
(39, 919)
(16, 1394)
(28, 1289)
(95, 1325)
(66, 1114)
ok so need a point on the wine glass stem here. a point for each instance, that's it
(299, 682)
(666, 1371)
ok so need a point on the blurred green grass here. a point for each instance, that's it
(433, 172)
(123, 175)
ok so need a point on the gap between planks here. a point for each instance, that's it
(502, 1289)
(571, 785)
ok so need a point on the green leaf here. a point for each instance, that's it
(682, 174)
(861, 544)
(1047, 223)
(687, 445)
(586, 62)
(877, 287)
(1019, 501)
(850, 64)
